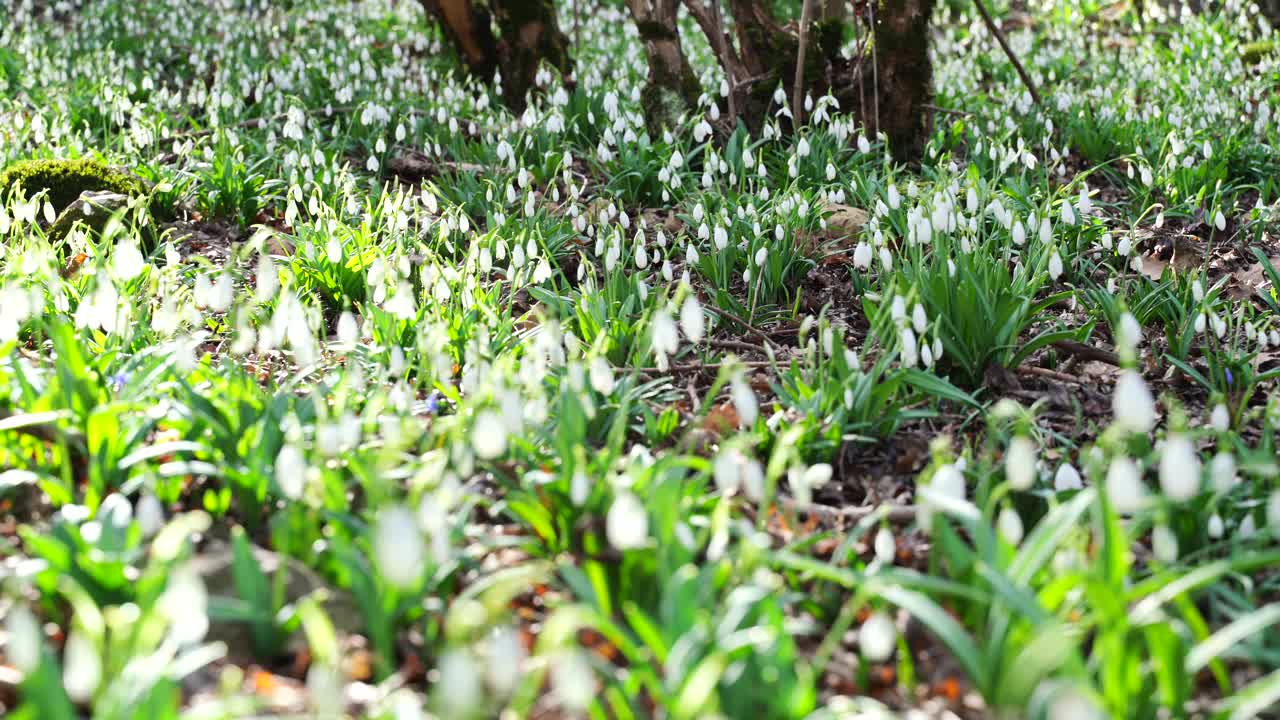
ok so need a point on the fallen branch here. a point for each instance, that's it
(1088, 352)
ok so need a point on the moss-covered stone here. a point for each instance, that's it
(64, 180)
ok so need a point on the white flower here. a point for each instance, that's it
(22, 639)
(862, 256)
(692, 321)
(1125, 490)
(601, 373)
(1020, 463)
(488, 435)
(459, 688)
(1273, 513)
(1215, 527)
(504, 658)
(886, 546)
(573, 682)
(627, 524)
(1132, 404)
(878, 637)
(1164, 544)
(744, 401)
(291, 471)
(150, 515)
(82, 667)
(1067, 478)
(1220, 418)
(1009, 525)
(324, 689)
(1179, 468)
(398, 546)
(1222, 472)
(185, 601)
(1055, 264)
(127, 260)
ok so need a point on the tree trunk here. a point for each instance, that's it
(672, 89)
(905, 75)
(896, 71)
(528, 35)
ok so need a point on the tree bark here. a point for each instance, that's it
(528, 34)
(671, 90)
(897, 69)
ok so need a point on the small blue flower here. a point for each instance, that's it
(118, 380)
(1228, 373)
(433, 402)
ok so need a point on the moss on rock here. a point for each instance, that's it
(64, 180)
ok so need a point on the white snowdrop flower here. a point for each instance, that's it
(1046, 232)
(398, 546)
(910, 349)
(505, 657)
(1009, 526)
(324, 690)
(1084, 204)
(949, 482)
(1273, 513)
(1132, 404)
(601, 374)
(1207, 149)
(1124, 488)
(1020, 463)
(291, 471)
(1164, 544)
(802, 148)
(459, 688)
(1067, 478)
(579, 488)
(862, 256)
(727, 471)
(488, 435)
(22, 639)
(150, 514)
(573, 682)
(895, 198)
(1200, 323)
(886, 546)
(1179, 468)
(1068, 703)
(1220, 418)
(127, 260)
(666, 338)
(1055, 266)
(1019, 234)
(701, 131)
(744, 401)
(1197, 290)
(185, 601)
(761, 256)
(1219, 326)
(1068, 215)
(82, 667)
(372, 164)
(886, 258)
(1247, 527)
(864, 145)
(1220, 221)
(1129, 333)
(878, 637)
(677, 160)
(918, 319)
(1222, 472)
(831, 172)
(1215, 527)
(627, 524)
(692, 321)
(817, 475)
(348, 332)
(1124, 246)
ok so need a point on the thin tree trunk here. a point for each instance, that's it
(672, 90)
(528, 35)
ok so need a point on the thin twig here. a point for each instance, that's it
(728, 66)
(797, 110)
(725, 314)
(1008, 51)
(694, 367)
(1048, 374)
